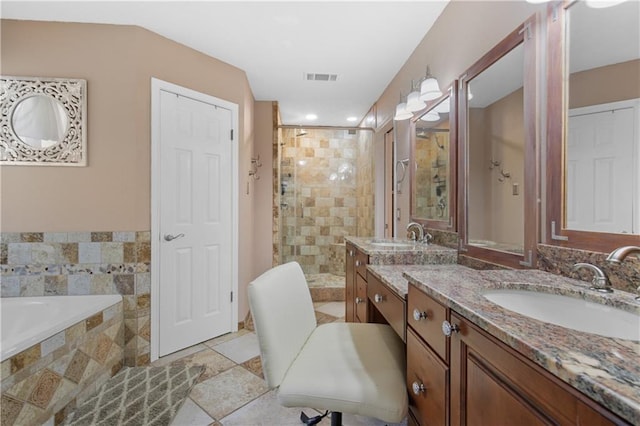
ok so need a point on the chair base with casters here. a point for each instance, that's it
(341, 367)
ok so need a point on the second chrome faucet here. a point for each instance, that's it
(600, 282)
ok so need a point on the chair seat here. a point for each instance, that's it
(350, 368)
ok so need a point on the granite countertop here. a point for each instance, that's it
(605, 369)
(386, 251)
(393, 276)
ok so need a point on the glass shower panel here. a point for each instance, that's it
(319, 195)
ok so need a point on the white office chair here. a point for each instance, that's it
(340, 367)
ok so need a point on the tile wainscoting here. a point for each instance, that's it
(80, 263)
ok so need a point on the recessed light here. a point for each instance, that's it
(310, 116)
(352, 118)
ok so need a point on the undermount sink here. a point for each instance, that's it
(396, 244)
(570, 312)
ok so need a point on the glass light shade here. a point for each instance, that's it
(600, 4)
(414, 103)
(430, 116)
(402, 113)
(430, 90)
(443, 107)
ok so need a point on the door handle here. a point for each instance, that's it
(169, 237)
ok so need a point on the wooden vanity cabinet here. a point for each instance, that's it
(427, 360)
(492, 383)
(472, 378)
(356, 285)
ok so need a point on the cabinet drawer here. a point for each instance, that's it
(389, 304)
(361, 263)
(428, 327)
(427, 383)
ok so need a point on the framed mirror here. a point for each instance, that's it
(498, 153)
(43, 121)
(593, 122)
(433, 163)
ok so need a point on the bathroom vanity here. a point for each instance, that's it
(471, 361)
(360, 252)
(497, 365)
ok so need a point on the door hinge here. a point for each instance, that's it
(231, 297)
(231, 134)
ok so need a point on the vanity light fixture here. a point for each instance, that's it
(402, 113)
(414, 102)
(429, 88)
(430, 116)
(443, 107)
(601, 4)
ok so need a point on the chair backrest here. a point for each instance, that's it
(283, 316)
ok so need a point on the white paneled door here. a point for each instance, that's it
(195, 221)
(601, 186)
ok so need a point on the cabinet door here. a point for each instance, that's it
(427, 383)
(350, 284)
(491, 384)
(361, 299)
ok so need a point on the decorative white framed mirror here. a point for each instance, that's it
(43, 121)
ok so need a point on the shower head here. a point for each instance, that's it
(302, 132)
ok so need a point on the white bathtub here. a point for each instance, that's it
(27, 321)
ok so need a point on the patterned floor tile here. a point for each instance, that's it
(191, 415)
(335, 309)
(241, 349)
(213, 362)
(228, 391)
(226, 337)
(265, 411)
(168, 359)
(255, 366)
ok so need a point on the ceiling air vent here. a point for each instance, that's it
(310, 76)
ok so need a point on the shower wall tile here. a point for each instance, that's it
(79, 263)
(317, 181)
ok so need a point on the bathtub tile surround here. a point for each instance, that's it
(46, 381)
(81, 263)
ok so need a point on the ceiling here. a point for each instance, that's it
(277, 43)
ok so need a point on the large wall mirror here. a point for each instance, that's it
(594, 122)
(433, 163)
(43, 121)
(498, 130)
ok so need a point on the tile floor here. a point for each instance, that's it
(232, 391)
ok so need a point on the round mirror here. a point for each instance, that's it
(40, 121)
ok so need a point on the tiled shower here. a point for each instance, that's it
(325, 185)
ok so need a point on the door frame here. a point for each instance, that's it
(156, 87)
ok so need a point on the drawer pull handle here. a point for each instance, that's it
(378, 298)
(359, 300)
(351, 253)
(419, 315)
(357, 263)
(448, 328)
(418, 388)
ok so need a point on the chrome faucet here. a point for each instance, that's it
(415, 232)
(618, 255)
(599, 282)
